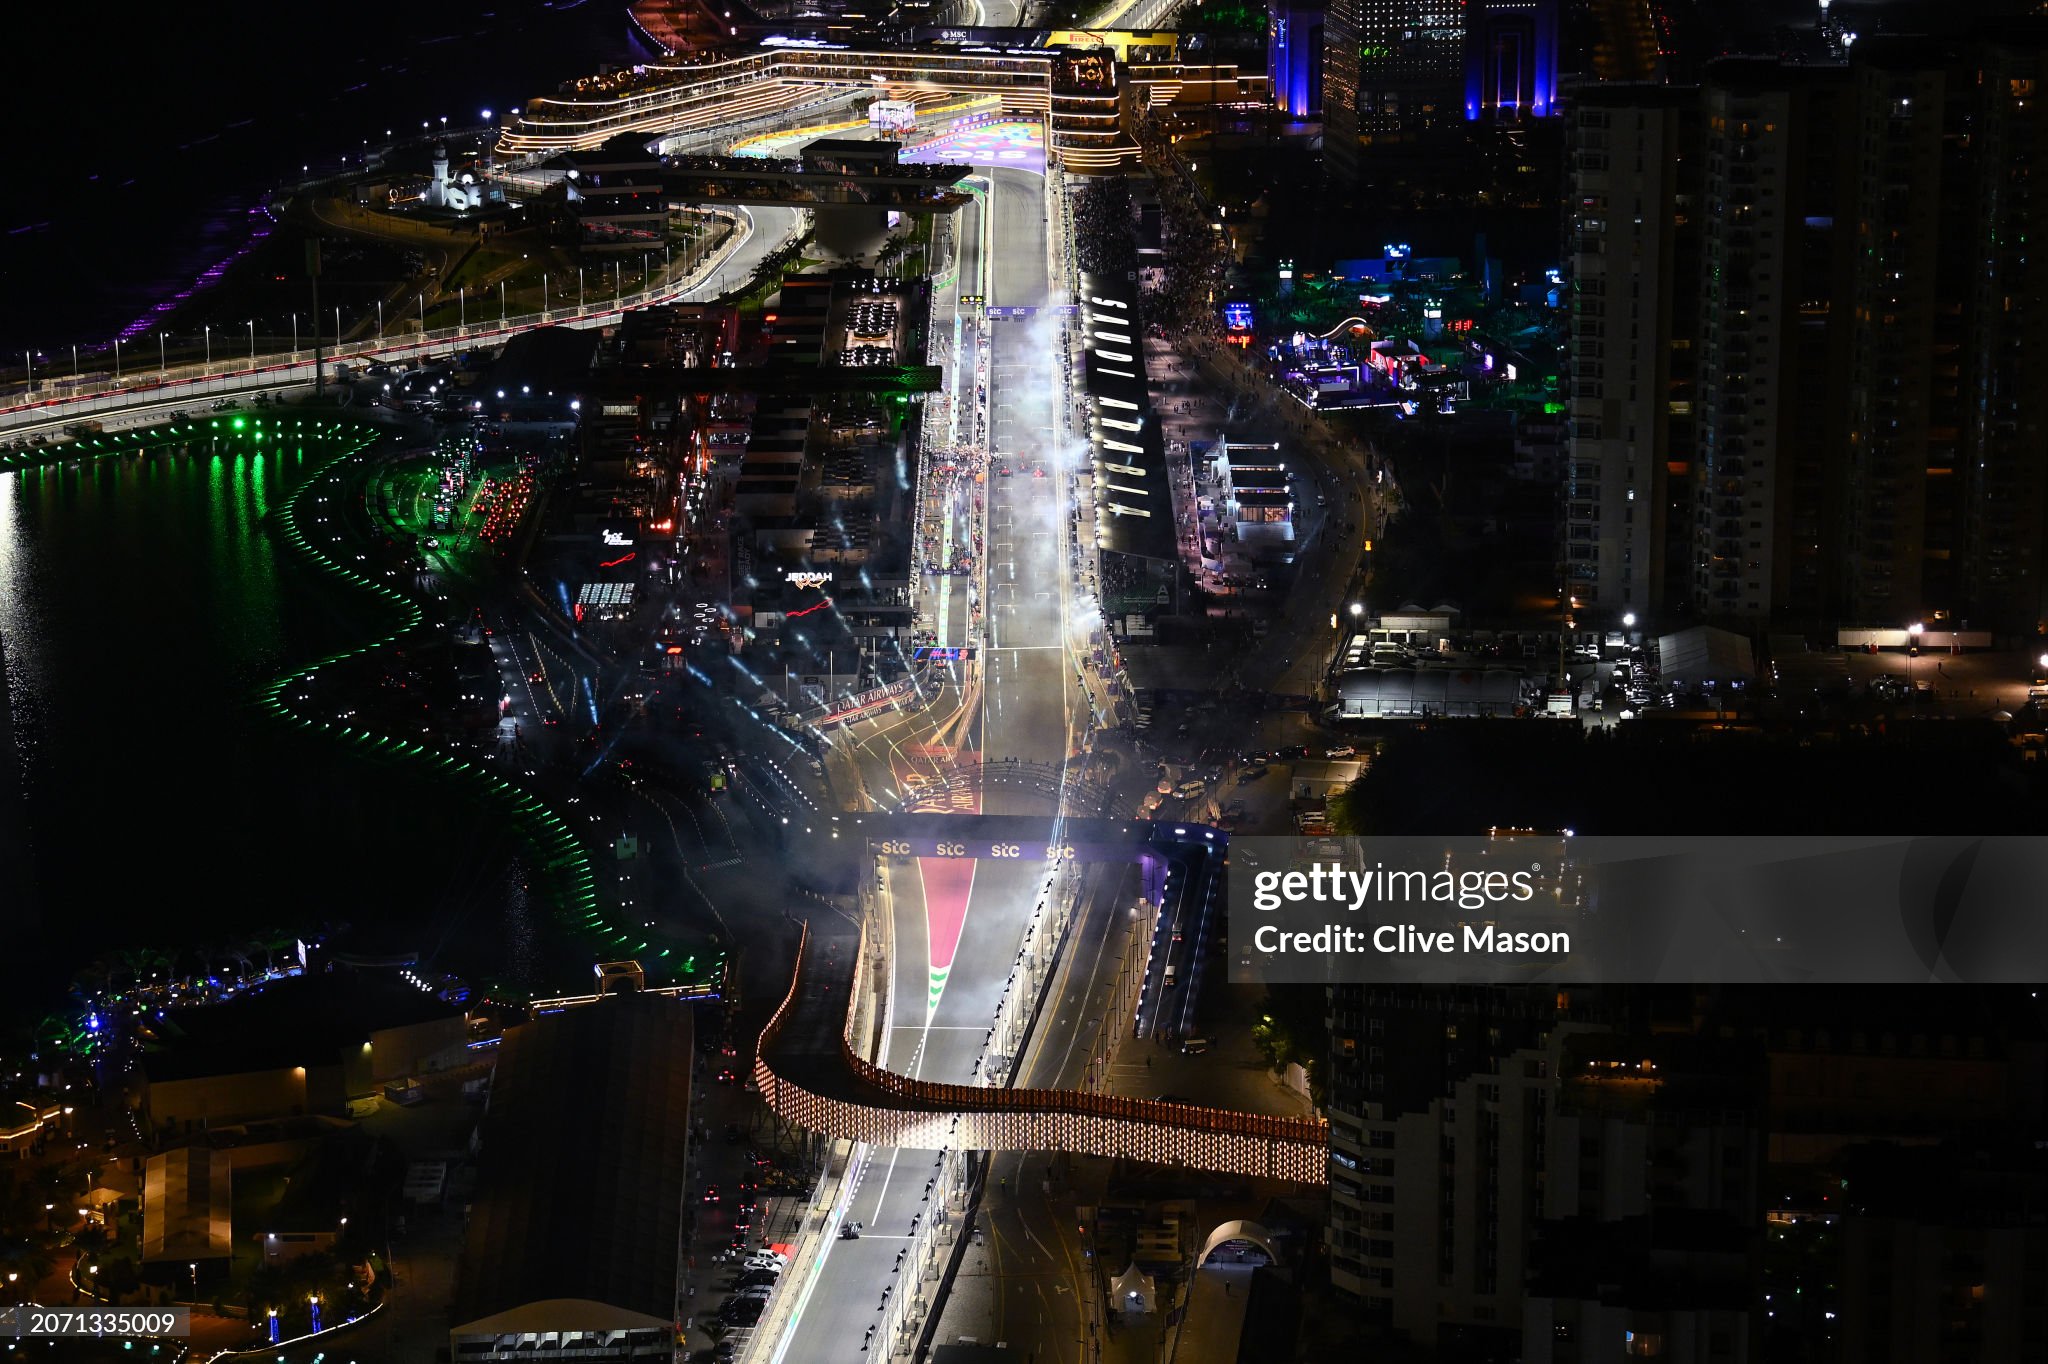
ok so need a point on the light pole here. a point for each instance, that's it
(461, 306)
(161, 363)
(252, 341)
(295, 335)
(74, 360)
(117, 355)
(543, 293)
(207, 332)
(579, 289)
(501, 303)
(29, 360)
(194, 1267)
(1914, 631)
(337, 326)
(380, 321)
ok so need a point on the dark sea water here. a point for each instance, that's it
(143, 601)
(145, 134)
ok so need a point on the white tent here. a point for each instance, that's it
(1133, 1290)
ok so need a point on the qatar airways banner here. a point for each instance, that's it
(1542, 908)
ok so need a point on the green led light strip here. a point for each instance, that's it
(565, 876)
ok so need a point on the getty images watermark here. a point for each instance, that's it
(1535, 908)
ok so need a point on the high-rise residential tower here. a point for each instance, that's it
(1631, 249)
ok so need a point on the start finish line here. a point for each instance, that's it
(1008, 314)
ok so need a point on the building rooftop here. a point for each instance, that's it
(580, 1185)
(560, 1314)
(187, 1205)
(297, 1021)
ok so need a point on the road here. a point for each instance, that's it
(193, 389)
(958, 925)
(770, 226)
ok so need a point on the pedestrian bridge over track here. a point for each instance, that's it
(810, 1074)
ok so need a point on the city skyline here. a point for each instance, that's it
(826, 683)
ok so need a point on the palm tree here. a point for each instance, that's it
(270, 942)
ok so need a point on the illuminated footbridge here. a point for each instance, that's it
(811, 1072)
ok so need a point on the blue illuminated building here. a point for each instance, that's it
(1510, 59)
(1294, 55)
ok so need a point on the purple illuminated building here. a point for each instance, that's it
(1510, 59)
(1294, 55)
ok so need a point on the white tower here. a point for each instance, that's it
(437, 189)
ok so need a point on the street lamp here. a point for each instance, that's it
(194, 1267)
(1913, 650)
(207, 330)
(1628, 620)
(252, 340)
